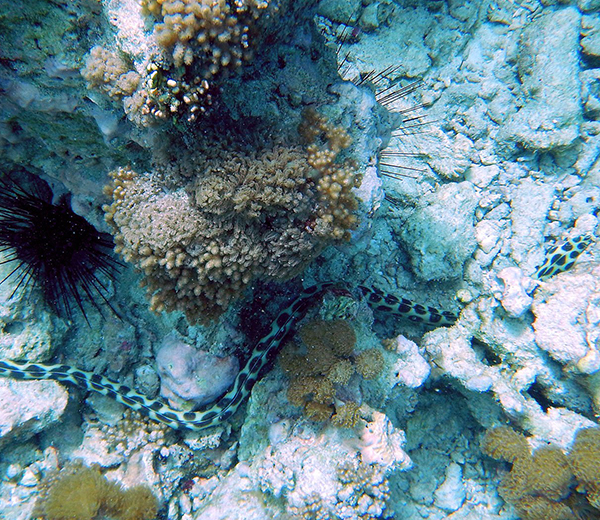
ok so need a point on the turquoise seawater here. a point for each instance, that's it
(291, 259)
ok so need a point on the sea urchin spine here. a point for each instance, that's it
(54, 248)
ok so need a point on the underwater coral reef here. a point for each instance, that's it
(355, 266)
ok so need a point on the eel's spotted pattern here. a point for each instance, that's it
(562, 257)
(264, 351)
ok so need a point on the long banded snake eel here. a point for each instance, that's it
(559, 258)
(264, 351)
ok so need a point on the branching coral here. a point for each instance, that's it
(326, 362)
(166, 93)
(81, 493)
(234, 215)
(336, 180)
(548, 484)
(216, 33)
(203, 39)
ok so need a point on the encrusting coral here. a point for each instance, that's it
(203, 227)
(81, 493)
(548, 484)
(328, 360)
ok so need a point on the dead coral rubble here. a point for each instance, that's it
(203, 228)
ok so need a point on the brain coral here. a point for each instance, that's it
(203, 227)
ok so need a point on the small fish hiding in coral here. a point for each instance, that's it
(562, 257)
(53, 248)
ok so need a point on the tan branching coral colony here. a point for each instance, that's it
(217, 32)
(200, 39)
(236, 215)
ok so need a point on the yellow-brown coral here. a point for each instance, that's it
(307, 389)
(136, 503)
(346, 415)
(541, 508)
(369, 363)
(341, 372)
(547, 484)
(324, 361)
(76, 494)
(504, 443)
(81, 493)
(584, 457)
(549, 473)
(338, 337)
(317, 411)
(203, 227)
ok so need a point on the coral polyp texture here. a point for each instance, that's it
(548, 483)
(325, 363)
(236, 215)
(110, 73)
(81, 493)
(216, 33)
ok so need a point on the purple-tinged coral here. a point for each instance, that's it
(191, 375)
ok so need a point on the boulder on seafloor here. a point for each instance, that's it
(28, 407)
(189, 374)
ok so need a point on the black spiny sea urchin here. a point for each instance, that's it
(54, 248)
